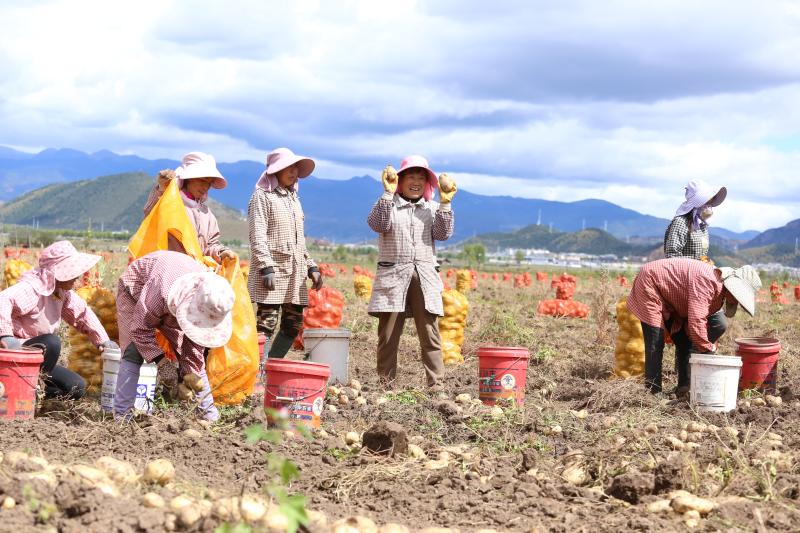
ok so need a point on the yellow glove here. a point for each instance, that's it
(389, 179)
(164, 177)
(447, 188)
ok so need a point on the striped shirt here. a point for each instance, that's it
(26, 313)
(142, 308)
(680, 241)
(682, 289)
(406, 242)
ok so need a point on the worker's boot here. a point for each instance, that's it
(205, 407)
(653, 355)
(280, 345)
(125, 393)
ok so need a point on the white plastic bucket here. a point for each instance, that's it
(146, 388)
(715, 382)
(331, 347)
(111, 359)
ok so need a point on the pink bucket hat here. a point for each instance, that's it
(202, 302)
(280, 158)
(65, 262)
(200, 165)
(700, 193)
(417, 161)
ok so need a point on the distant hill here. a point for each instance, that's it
(113, 203)
(783, 235)
(590, 241)
(337, 210)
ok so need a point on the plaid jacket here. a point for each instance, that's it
(277, 240)
(407, 232)
(679, 241)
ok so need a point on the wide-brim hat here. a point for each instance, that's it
(281, 158)
(65, 262)
(417, 161)
(699, 193)
(743, 284)
(201, 165)
(202, 303)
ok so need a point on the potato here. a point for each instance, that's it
(117, 470)
(159, 471)
(153, 500)
(193, 381)
(185, 394)
(252, 508)
(352, 438)
(8, 503)
(274, 520)
(354, 524)
(446, 183)
(690, 502)
(179, 502)
(416, 452)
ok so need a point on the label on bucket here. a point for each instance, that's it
(709, 391)
(496, 386)
(297, 404)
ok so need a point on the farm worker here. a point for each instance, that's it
(681, 294)
(191, 307)
(687, 234)
(408, 222)
(32, 309)
(279, 259)
(196, 175)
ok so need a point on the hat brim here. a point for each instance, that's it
(204, 171)
(713, 197)
(74, 266)
(305, 165)
(207, 335)
(742, 292)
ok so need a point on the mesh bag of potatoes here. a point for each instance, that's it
(84, 357)
(452, 324)
(13, 269)
(629, 352)
(363, 286)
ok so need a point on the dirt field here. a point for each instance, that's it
(587, 452)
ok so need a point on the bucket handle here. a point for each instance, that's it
(319, 340)
(289, 399)
(34, 385)
(487, 379)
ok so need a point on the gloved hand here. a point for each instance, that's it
(108, 345)
(226, 254)
(164, 177)
(389, 179)
(447, 188)
(316, 279)
(268, 278)
(10, 343)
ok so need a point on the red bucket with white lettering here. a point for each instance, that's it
(296, 389)
(19, 375)
(501, 373)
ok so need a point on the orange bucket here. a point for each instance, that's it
(502, 373)
(19, 375)
(296, 389)
(759, 363)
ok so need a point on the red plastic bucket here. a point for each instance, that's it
(501, 373)
(797, 293)
(759, 362)
(19, 375)
(258, 388)
(297, 390)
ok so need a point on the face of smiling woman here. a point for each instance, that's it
(412, 183)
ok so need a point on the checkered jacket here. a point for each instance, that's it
(407, 232)
(680, 241)
(277, 240)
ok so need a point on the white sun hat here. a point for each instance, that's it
(700, 193)
(202, 302)
(201, 165)
(742, 283)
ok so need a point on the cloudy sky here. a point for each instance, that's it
(620, 100)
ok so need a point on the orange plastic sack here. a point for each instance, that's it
(232, 369)
(325, 309)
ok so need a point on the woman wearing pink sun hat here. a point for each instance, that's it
(408, 222)
(31, 312)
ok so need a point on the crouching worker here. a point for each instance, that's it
(681, 294)
(190, 306)
(408, 222)
(31, 312)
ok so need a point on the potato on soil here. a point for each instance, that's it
(160, 471)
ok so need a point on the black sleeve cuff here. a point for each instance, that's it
(267, 270)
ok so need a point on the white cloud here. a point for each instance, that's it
(623, 101)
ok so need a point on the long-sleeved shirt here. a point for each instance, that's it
(204, 221)
(27, 309)
(277, 240)
(681, 241)
(682, 289)
(407, 231)
(142, 308)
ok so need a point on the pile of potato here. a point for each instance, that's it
(84, 357)
(452, 324)
(629, 353)
(14, 269)
(362, 284)
(463, 281)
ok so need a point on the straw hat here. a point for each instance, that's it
(700, 193)
(65, 262)
(742, 283)
(202, 302)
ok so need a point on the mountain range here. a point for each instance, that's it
(335, 209)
